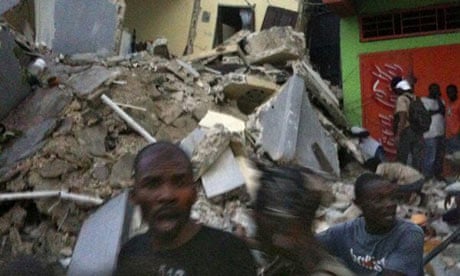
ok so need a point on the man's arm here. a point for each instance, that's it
(402, 123)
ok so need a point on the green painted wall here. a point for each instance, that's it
(351, 48)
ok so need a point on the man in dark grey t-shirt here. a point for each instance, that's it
(377, 243)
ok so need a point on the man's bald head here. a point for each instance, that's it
(165, 152)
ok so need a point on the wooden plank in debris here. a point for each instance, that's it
(220, 50)
(236, 85)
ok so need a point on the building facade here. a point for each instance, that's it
(418, 40)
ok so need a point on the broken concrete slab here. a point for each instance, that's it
(214, 53)
(42, 104)
(278, 120)
(275, 45)
(313, 141)
(321, 91)
(209, 149)
(108, 227)
(5, 5)
(223, 176)
(29, 143)
(232, 123)
(236, 85)
(88, 81)
(189, 143)
(97, 35)
(290, 131)
(13, 85)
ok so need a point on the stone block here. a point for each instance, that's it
(189, 143)
(101, 238)
(223, 176)
(275, 45)
(290, 131)
(237, 85)
(212, 118)
(88, 81)
(279, 121)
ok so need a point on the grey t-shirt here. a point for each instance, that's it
(400, 250)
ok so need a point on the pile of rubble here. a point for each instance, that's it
(75, 137)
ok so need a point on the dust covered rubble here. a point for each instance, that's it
(71, 141)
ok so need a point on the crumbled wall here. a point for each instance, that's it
(13, 87)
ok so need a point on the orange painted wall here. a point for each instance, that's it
(440, 64)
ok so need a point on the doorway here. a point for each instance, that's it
(230, 20)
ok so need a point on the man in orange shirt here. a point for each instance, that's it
(452, 120)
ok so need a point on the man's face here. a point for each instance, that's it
(379, 205)
(165, 191)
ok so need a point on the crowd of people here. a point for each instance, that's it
(424, 148)
(377, 243)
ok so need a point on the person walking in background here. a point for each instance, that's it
(452, 120)
(433, 155)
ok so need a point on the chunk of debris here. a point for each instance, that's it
(213, 118)
(88, 81)
(223, 176)
(275, 45)
(284, 126)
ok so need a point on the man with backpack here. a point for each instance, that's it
(411, 121)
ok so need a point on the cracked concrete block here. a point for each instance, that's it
(223, 176)
(189, 143)
(88, 81)
(275, 45)
(13, 87)
(315, 148)
(213, 118)
(279, 121)
(108, 228)
(85, 26)
(288, 129)
(237, 85)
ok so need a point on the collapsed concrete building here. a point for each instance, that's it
(255, 96)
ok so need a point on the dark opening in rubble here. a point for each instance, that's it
(230, 20)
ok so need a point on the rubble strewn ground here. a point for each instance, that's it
(70, 140)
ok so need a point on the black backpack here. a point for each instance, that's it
(419, 116)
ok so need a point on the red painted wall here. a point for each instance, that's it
(439, 64)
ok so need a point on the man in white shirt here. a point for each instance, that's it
(434, 138)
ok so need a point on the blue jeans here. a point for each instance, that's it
(433, 156)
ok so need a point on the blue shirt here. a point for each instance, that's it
(399, 250)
